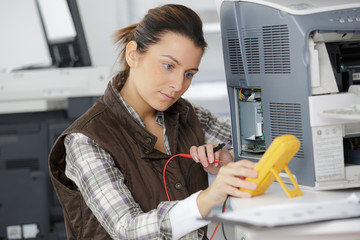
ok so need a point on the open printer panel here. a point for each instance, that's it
(295, 69)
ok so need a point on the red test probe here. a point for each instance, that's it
(217, 148)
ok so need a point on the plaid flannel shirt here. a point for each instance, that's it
(93, 170)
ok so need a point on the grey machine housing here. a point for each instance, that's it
(269, 66)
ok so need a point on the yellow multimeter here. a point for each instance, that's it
(275, 160)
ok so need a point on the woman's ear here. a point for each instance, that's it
(131, 53)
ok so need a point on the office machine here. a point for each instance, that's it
(35, 107)
(36, 104)
(293, 67)
(29, 207)
(64, 33)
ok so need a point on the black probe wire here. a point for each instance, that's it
(222, 224)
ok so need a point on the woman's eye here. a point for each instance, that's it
(189, 75)
(168, 66)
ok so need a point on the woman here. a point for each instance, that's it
(107, 167)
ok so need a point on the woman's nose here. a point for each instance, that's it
(177, 81)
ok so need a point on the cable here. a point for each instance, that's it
(222, 224)
(164, 179)
(223, 230)
(217, 225)
(179, 155)
(217, 148)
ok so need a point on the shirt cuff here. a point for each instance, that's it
(185, 217)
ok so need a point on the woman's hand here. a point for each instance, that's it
(206, 156)
(228, 182)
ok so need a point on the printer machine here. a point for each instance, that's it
(37, 102)
(293, 67)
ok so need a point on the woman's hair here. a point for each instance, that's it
(167, 18)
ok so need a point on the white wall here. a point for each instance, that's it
(100, 21)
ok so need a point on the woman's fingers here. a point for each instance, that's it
(232, 176)
(229, 180)
(241, 168)
(203, 154)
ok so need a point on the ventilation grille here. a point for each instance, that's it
(252, 54)
(236, 63)
(276, 49)
(285, 118)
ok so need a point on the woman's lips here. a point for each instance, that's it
(167, 97)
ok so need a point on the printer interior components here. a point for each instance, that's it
(344, 59)
(252, 138)
(352, 150)
(303, 60)
(334, 59)
(345, 62)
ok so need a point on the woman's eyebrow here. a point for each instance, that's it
(172, 58)
(177, 62)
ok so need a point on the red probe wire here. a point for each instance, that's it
(164, 179)
(177, 155)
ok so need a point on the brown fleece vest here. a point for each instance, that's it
(132, 148)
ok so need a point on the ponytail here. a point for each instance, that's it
(121, 38)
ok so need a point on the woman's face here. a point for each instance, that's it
(159, 77)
